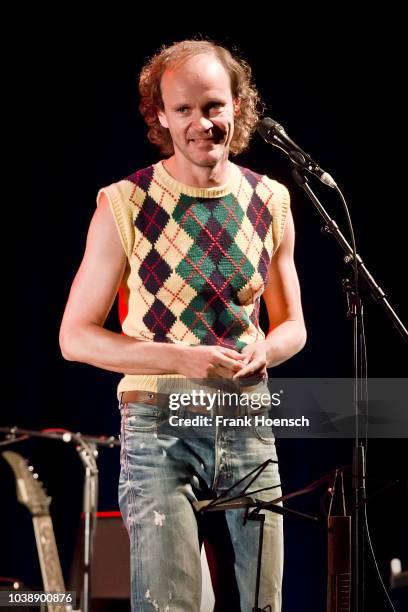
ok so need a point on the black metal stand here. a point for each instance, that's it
(88, 454)
(355, 311)
(243, 500)
(273, 133)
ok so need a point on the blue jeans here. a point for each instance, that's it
(164, 469)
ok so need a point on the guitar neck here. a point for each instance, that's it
(48, 555)
(31, 494)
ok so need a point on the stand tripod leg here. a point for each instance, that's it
(261, 519)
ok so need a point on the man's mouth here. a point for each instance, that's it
(199, 140)
(207, 141)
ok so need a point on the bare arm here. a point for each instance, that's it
(83, 337)
(287, 332)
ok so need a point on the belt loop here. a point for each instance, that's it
(122, 406)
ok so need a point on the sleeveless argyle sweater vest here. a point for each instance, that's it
(198, 258)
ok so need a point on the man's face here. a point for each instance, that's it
(198, 110)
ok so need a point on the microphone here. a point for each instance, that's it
(274, 133)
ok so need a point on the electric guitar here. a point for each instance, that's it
(32, 495)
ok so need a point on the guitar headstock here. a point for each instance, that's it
(30, 491)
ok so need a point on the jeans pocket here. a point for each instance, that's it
(262, 427)
(139, 418)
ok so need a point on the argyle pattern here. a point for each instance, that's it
(198, 265)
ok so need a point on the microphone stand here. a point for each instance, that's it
(355, 310)
(332, 228)
(86, 447)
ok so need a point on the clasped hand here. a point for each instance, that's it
(220, 362)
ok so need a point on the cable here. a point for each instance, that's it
(367, 531)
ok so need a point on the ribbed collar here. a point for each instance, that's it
(198, 192)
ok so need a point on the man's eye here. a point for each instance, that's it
(182, 109)
(216, 106)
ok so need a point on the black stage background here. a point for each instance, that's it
(78, 129)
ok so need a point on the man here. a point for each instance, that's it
(191, 244)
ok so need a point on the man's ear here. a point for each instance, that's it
(237, 106)
(163, 119)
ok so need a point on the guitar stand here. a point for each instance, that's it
(86, 447)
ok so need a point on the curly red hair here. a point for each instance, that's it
(242, 90)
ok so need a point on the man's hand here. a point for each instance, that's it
(255, 361)
(210, 362)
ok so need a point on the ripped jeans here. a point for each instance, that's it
(164, 469)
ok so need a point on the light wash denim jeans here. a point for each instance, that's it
(164, 469)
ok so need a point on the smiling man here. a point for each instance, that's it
(198, 110)
(192, 243)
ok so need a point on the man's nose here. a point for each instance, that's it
(203, 122)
